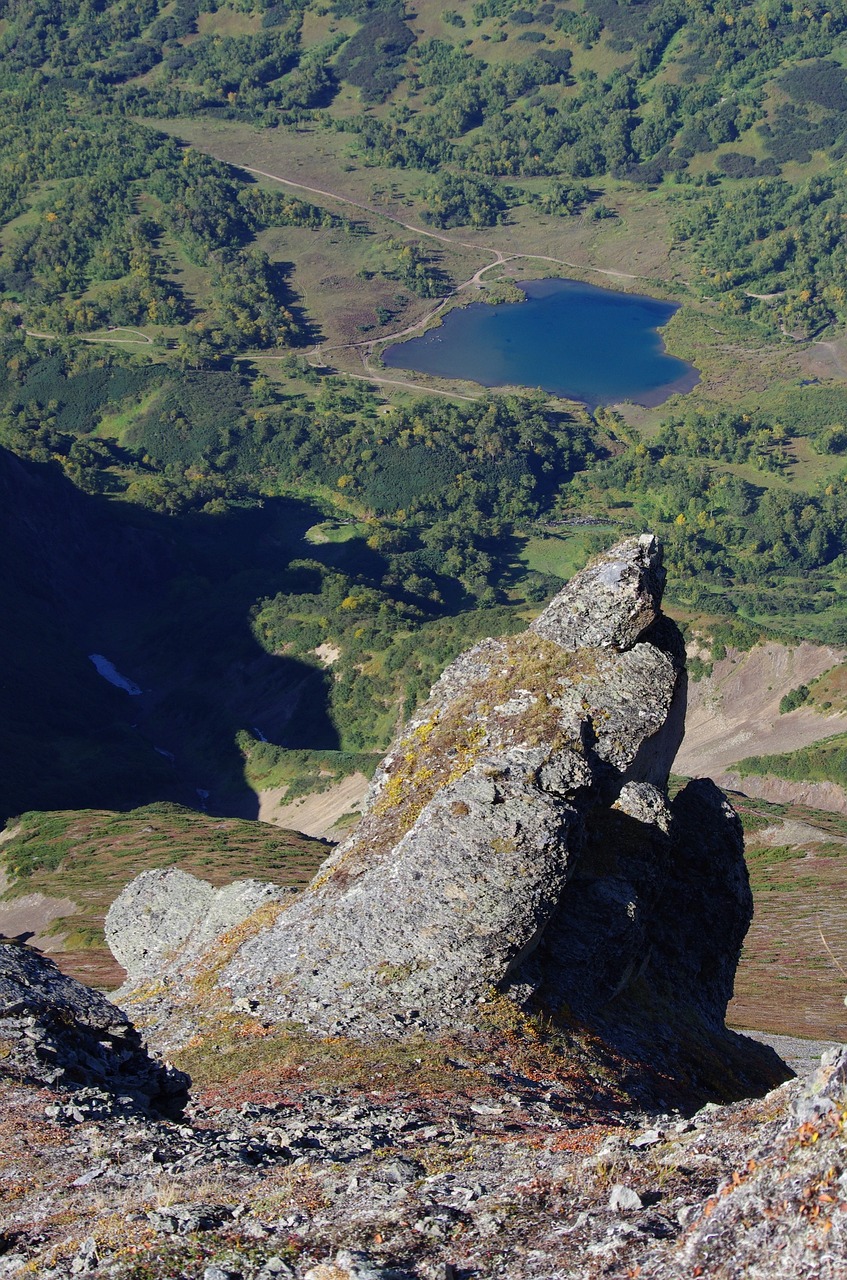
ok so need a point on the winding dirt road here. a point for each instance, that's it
(368, 346)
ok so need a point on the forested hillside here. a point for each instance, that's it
(735, 108)
(184, 333)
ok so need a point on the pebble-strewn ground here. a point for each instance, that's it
(512, 1180)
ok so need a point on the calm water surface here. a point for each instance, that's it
(571, 339)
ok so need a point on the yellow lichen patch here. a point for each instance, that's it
(230, 942)
(147, 991)
(450, 740)
(445, 746)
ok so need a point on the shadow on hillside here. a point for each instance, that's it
(167, 600)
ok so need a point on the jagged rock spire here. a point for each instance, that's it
(612, 602)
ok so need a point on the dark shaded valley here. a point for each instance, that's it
(168, 600)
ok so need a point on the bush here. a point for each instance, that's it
(737, 165)
(793, 699)
(831, 440)
(372, 58)
(822, 82)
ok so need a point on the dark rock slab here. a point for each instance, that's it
(55, 1031)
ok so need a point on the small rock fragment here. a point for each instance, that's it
(85, 1178)
(647, 1139)
(398, 1172)
(274, 1269)
(86, 1259)
(624, 1199)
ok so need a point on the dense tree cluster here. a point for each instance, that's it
(824, 762)
(92, 255)
(774, 238)
(770, 551)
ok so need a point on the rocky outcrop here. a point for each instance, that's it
(166, 915)
(56, 1032)
(519, 842)
(617, 599)
(502, 1175)
(781, 1215)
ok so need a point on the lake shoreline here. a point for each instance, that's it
(561, 343)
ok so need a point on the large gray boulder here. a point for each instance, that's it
(167, 917)
(477, 818)
(519, 841)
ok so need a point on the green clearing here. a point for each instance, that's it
(335, 532)
(562, 554)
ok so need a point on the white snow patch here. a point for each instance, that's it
(109, 672)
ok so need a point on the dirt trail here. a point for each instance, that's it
(411, 386)
(499, 256)
(499, 259)
(366, 208)
(735, 712)
(142, 339)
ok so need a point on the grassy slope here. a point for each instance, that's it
(789, 980)
(822, 762)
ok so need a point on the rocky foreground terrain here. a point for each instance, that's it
(483, 1157)
(487, 1040)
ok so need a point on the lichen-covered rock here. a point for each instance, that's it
(478, 817)
(612, 602)
(518, 839)
(168, 916)
(780, 1214)
(55, 1031)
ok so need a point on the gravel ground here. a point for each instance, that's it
(802, 1056)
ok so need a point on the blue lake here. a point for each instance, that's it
(571, 339)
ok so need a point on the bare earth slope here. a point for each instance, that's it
(734, 712)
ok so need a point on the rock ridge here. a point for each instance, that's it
(56, 1032)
